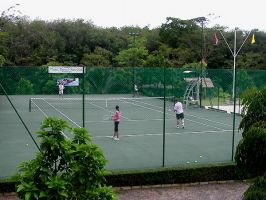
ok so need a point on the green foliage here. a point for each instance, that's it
(257, 191)
(176, 175)
(65, 168)
(251, 150)
(100, 57)
(24, 87)
(132, 57)
(2, 60)
(156, 176)
(25, 42)
(254, 107)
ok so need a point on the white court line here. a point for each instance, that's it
(187, 114)
(62, 113)
(107, 110)
(173, 115)
(131, 120)
(160, 134)
(40, 109)
(47, 116)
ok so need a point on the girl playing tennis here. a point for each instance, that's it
(116, 117)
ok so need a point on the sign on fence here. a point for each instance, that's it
(68, 81)
(65, 69)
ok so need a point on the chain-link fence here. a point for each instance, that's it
(149, 137)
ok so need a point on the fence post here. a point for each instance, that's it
(83, 97)
(164, 89)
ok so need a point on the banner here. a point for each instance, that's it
(65, 69)
(68, 81)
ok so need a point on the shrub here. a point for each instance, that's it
(251, 150)
(64, 168)
(257, 191)
(254, 107)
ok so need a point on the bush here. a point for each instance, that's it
(64, 168)
(254, 107)
(251, 150)
(257, 191)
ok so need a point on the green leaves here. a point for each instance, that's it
(65, 168)
(251, 151)
(254, 102)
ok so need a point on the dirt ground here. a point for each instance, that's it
(214, 191)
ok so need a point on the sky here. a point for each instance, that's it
(246, 15)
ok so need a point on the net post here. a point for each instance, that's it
(30, 105)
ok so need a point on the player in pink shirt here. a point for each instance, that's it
(116, 117)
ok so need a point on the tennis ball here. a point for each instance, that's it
(195, 161)
(27, 144)
(188, 162)
(200, 156)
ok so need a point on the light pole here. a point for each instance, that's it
(234, 53)
(201, 20)
(134, 34)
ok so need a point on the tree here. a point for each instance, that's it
(24, 87)
(100, 57)
(2, 60)
(132, 57)
(254, 107)
(251, 150)
(65, 169)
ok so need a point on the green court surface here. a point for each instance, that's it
(206, 139)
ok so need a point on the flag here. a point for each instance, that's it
(253, 39)
(215, 39)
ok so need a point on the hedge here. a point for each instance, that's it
(159, 176)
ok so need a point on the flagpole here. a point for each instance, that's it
(234, 53)
(234, 98)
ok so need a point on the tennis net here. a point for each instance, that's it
(99, 103)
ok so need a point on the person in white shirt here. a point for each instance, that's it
(178, 109)
(61, 88)
(136, 91)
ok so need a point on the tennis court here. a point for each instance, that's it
(207, 137)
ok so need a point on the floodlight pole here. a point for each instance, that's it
(201, 64)
(134, 34)
(201, 20)
(234, 53)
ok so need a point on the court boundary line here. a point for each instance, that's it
(174, 115)
(189, 115)
(132, 120)
(62, 114)
(136, 103)
(160, 134)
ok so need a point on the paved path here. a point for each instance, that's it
(215, 191)
(222, 191)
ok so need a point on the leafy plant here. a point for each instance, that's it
(65, 168)
(24, 87)
(251, 150)
(257, 191)
(254, 108)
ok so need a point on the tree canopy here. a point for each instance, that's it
(175, 43)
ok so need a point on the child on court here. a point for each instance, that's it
(178, 109)
(116, 117)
